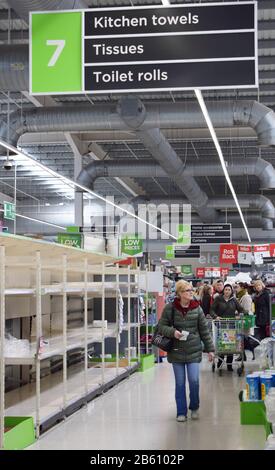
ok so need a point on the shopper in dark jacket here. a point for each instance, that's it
(262, 310)
(226, 306)
(206, 299)
(189, 330)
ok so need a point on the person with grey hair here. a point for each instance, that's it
(184, 321)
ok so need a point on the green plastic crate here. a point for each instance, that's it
(21, 434)
(147, 361)
(253, 412)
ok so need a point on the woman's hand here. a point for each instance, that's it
(211, 357)
(177, 334)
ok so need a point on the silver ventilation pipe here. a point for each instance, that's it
(133, 113)
(163, 115)
(149, 169)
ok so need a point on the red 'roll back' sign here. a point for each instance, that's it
(228, 254)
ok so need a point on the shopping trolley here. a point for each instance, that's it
(228, 338)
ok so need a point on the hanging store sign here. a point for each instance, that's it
(184, 234)
(131, 245)
(228, 254)
(180, 251)
(200, 272)
(169, 252)
(272, 249)
(213, 234)
(186, 269)
(70, 239)
(9, 211)
(245, 254)
(152, 48)
(260, 253)
(224, 272)
(212, 272)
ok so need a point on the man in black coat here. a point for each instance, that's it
(262, 310)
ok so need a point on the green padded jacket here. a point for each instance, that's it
(195, 323)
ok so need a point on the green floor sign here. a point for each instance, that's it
(56, 52)
(70, 239)
(131, 245)
(9, 210)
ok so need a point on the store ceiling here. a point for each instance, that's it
(191, 146)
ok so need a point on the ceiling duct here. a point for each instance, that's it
(85, 118)
(133, 113)
(149, 169)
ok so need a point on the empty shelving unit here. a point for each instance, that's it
(36, 279)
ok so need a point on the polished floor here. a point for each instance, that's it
(140, 414)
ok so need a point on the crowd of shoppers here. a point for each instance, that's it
(185, 321)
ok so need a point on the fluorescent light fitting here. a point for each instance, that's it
(74, 185)
(165, 2)
(220, 154)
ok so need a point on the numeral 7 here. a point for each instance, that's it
(60, 44)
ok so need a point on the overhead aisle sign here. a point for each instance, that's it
(150, 48)
(181, 251)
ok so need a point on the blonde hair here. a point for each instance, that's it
(258, 282)
(182, 285)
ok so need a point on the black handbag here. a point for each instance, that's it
(163, 342)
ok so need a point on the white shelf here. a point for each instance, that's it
(75, 339)
(95, 288)
(19, 291)
(21, 402)
(16, 245)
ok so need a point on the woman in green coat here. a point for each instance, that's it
(189, 330)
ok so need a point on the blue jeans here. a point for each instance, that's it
(193, 379)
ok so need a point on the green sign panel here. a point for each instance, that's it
(56, 52)
(70, 239)
(186, 269)
(131, 245)
(184, 234)
(169, 252)
(9, 210)
(72, 229)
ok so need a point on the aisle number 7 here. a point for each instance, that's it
(60, 44)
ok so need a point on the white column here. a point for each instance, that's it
(64, 322)
(138, 313)
(78, 195)
(39, 338)
(103, 319)
(117, 319)
(86, 325)
(129, 315)
(147, 312)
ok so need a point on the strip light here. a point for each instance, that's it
(74, 185)
(220, 154)
(37, 220)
